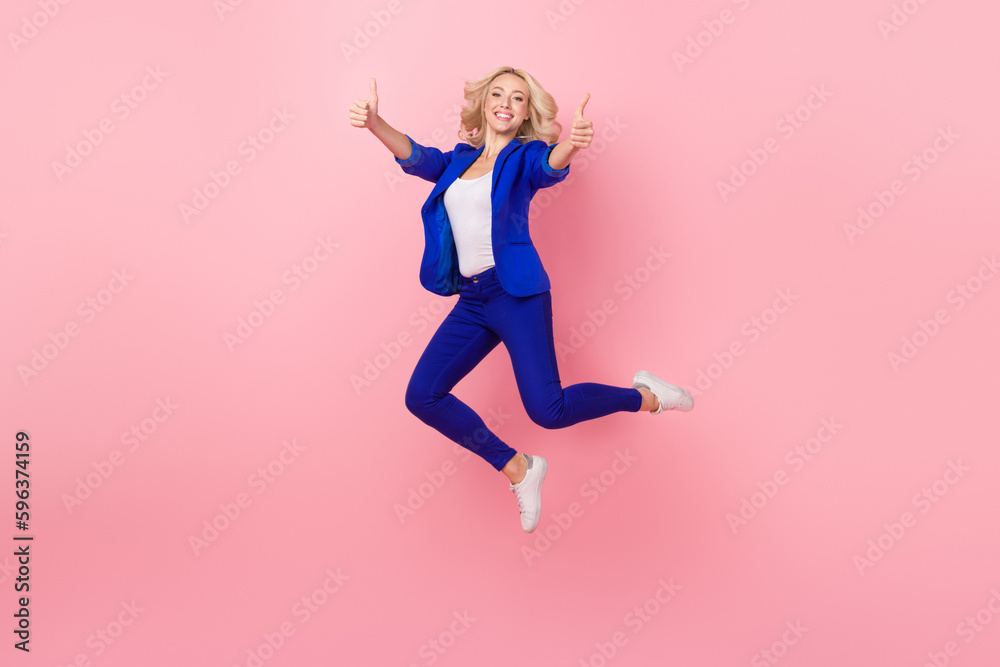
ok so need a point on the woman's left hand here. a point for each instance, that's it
(582, 130)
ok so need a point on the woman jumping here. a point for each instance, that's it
(477, 245)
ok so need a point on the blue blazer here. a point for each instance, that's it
(521, 169)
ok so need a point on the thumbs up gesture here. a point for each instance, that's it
(364, 113)
(582, 130)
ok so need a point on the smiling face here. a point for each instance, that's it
(506, 104)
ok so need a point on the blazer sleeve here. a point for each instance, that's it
(426, 162)
(542, 174)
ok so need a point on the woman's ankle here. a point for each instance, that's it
(516, 468)
(649, 400)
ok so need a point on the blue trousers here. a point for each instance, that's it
(484, 316)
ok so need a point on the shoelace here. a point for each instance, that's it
(517, 494)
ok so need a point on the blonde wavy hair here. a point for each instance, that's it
(542, 109)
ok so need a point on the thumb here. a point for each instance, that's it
(583, 103)
(374, 93)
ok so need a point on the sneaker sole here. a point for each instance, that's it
(544, 465)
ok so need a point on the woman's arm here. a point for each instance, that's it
(394, 140)
(562, 154)
(579, 137)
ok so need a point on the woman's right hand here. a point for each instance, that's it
(364, 113)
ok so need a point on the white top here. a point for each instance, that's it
(469, 209)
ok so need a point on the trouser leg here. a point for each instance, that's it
(525, 327)
(459, 344)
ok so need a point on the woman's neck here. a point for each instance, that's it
(493, 144)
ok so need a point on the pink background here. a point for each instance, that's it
(671, 134)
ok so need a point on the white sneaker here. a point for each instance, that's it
(669, 396)
(529, 492)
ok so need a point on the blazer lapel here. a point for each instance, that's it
(458, 165)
